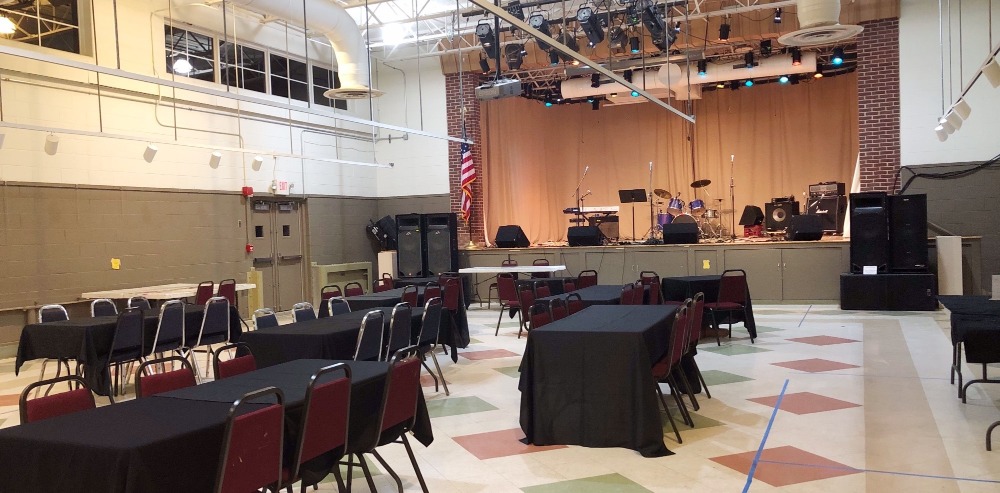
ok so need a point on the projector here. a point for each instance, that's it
(503, 88)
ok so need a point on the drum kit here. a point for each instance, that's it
(695, 212)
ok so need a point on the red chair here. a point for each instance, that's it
(574, 303)
(651, 279)
(206, 290)
(320, 430)
(227, 289)
(51, 406)
(235, 366)
(411, 296)
(631, 295)
(494, 287)
(149, 384)
(586, 279)
(432, 290)
(399, 411)
(451, 296)
(569, 286)
(384, 284)
(542, 289)
(540, 275)
(526, 297)
(329, 291)
(507, 294)
(662, 369)
(353, 288)
(251, 451)
(732, 299)
(694, 335)
(558, 309)
(539, 316)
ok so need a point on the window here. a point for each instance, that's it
(50, 24)
(289, 78)
(324, 79)
(242, 66)
(190, 54)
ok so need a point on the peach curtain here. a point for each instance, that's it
(783, 137)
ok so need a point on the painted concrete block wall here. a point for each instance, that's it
(921, 87)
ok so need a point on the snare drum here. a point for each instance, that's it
(664, 218)
(712, 213)
(685, 219)
(675, 206)
(697, 207)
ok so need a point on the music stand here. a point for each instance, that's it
(631, 197)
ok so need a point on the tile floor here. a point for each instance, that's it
(867, 406)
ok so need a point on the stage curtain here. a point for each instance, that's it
(782, 138)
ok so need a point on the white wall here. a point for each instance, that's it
(415, 98)
(921, 88)
(72, 99)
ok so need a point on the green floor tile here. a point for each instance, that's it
(510, 371)
(457, 405)
(356, 472)
(716, 377)
(473, 340)
(699, 420)
(598, 484)
(761, 329)
(733, 349)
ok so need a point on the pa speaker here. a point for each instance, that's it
(441, 243)
(908, 233)
(584, 236)
(675, 233)
(511, 236)
(387, 228)
(869, 231)
(804, 228)
(831, 210)
(410, 253)
(777, 214)
(752, 216)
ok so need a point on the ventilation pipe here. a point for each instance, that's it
(342, 31)
(819, 24)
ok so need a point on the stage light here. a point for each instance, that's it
(484, 63)
(568, 39)
(963, 109)
(150, 152)
(591, 25)
(632, 15)
(487, 38)
(595, 104)
(51, 144)
(818, 75)
(954, 119)
(777, 15)
(627, 75)
(765, 48)
(720, 85)
(595, 80)
(702, 67)
(793, 79)
(635, 94)
(942, 134)
(748, 83)
(992, 72)
(677, 27)
(724, 31)
(514, 53)
(783, 79)
(590, 99)
(838, 56)
(796, 57)
(539, 22)
(553, 58)
(734, 85)
(617, 38)
(548, 103)
(748, 59)
(7, 26)
(633, 44)
(656, 27)
(182, 66)
(214, 159)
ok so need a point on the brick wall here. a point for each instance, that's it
(457, 86)
(878, 104)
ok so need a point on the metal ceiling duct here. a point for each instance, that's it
(819, 24)
(649, 80)
(342, 31)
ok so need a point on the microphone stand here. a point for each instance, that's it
(732, 194)
(579, 200)
(649, 196)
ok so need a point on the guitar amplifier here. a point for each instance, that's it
(831, 210)
(827, 188)
(607, 224)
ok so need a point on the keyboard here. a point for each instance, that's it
(600, 209)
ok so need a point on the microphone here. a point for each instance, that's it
(585, 170)
(732, 157)
(651, 166)
(586, 194)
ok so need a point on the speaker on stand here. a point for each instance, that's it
(410, 243)
(869, 231)
(908, 233)
(440, 243)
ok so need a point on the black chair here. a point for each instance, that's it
(430, 329)
(411, 296)
(139, 302)
(126, 347)
(337, 306)
(264, 318)
(214, 330)
(53, 313)
(170, 330)
(103, 308)
(303, 311)
(369, 346)
(400, 331)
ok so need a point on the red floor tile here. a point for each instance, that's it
(822, 340)
(9, 400)
(782, 466)
(805, 403)
(487, 354)
(814, 365)
(501, 443)
(428, 381)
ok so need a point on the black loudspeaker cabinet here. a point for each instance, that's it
(752, 216)
(777, 214)
(831, 209)
(511, 236)
(804, 228)
(894, 292)
(869, 231)
(680, 233)
(584, 236)
(908, 233)
(410, 245)
(440, 243)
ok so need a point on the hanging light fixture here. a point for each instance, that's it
(7, 26)
(591, 25)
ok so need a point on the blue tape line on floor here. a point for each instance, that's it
(763, 440)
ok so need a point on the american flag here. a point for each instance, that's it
(468, 176)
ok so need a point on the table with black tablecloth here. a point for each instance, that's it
(451, 335)
(414, 281)
(170, 442)
(601, 294)
(323, 338)
(586, 379)
(682, 288)
(975, 325)
(88, 339)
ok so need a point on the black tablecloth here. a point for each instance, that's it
(323, 338)
(87, 340)
(413, 281)
(682, 288)
(586, 379)
(602, 294)
(556, 284)
(975, 323)
(450, 335)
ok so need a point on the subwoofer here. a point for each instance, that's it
(441, 243)
(511, 236)
(869, 231)
(804, 228)
(908, 233)
(584, 236)
(410, 252)
(777, 214)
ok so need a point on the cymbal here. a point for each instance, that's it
(661, 193)
(701, 183)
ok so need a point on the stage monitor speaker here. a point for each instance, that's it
(908, 233)
(387, 227)
(831, 209)
(869, 231)
(677, 233)
(804, 228)
(777, 214)
(584, 236)
(410, 243)
(441, 243)
(607, 224)
(511, 236)
(752, 216)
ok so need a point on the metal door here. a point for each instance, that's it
(277, 239)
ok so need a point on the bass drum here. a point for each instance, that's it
(685, 219)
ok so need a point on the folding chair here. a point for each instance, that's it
(103, 308)
(369, 345)
(264, 318)
(732, 299)
(149, 384)
(235, 366)
(252, 445)
(303, 311)
(323, 428)
(430, 329)
(51, 406)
